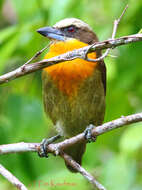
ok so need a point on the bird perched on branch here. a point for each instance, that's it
(73, 91)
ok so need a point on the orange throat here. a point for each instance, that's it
(69, 75)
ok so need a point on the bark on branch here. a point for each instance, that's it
(58, 147)
(12, 179)
(79, 53)
(52, 148)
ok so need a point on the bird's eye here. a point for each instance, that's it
(71, 29)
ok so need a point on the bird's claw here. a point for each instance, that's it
(43, 146)
(88, 135)
(42, 150)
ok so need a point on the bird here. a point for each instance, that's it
(74, 90)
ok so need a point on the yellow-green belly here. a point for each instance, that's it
(71, 115)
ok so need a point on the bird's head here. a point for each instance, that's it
(69, 28)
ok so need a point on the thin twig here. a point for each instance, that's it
(78, 53)
(11, 178)
(99, 58)
(115, 26)
(37, 54)
(82, 171)
(117, 21)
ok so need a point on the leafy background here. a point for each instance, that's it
(116, 158)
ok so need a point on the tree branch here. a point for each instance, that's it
(12, 179)
(59, 147)
(78, 53)
(106, 127)
(115, 26)
(82, 171)
(37, 54)
(99, 130)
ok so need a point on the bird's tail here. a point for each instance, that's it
(76, 152)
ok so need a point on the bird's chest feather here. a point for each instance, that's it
(68, 76)
(73, 91)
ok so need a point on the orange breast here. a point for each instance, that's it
(68, 75)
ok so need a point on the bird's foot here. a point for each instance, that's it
(43, 146)
(88, 134)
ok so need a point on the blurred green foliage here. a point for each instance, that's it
(116, 158)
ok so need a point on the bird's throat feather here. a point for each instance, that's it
(69, 75)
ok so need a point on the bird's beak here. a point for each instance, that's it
(52, 33)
